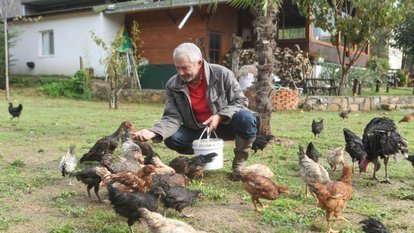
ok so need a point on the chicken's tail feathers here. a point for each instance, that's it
(207, 158)
(373, 225)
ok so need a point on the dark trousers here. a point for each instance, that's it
(243, 123)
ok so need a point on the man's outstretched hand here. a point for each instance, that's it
(143, 135)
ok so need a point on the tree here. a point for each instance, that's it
(6, 9)
(265, 28)
(352, 25)
(116, 62)
(404, 35)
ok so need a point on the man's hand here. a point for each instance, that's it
(144, 135)
(212, 122)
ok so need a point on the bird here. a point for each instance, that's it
(15, 111)
(261, 142)
(154, 159)
(127, 204)
(334, 195)
(261, 187)
(258, 169)
(131, 158)
(191, 167)
(68, 163)
(104, 147)
(171, 179)
(407, 118)
(317, 127)
(336, 157)
(381, 139)
(411, 159)
(312, 152)
(371, 225)
(178, 197)
(89, 177)
(354, 147)
(344, 114)
(160, 224)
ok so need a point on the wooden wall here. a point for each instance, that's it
(160, 33)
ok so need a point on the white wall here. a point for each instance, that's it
(72, 40)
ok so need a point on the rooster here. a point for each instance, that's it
(178, 198)
(261, 187)
(15, 111)
(344, 114)
(334, 195)
(103, 149)
(191, 167)
(68, 163)
(381, 140)
(317, 127)
(126, 204)
(261, 142)
(159, 224)
(354, 147)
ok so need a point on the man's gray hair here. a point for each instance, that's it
(189, 50)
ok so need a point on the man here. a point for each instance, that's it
(203, 95)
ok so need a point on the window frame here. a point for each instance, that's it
(47, 38)
(214, 50)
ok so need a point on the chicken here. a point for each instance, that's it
(159, 224)
(15, 111)
(317, 127)
(336, 157)
(371, 225)
(138, 181)
(344, 114)
(103, 149)
(126, 204)
(155, 160)
(191, 167)
(171, 179)
(145, 147)
(89, 177)
(68, 163)
(334, 195)
(261, 187)
(354, 147)
(311, 171)
(131, 159)
(261, 142)
(131, 151)
(381, 140)
(178, 198)
(407, 118)
(312, 152)
(411, 159)
(258, 169)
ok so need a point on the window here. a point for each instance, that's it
(214, 52)
(291, 33)
(47, 43)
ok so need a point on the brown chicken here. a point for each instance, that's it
(171, 179)
(128, 181)
(407, 118)
(154, 159)
(261, 187)
(334, 195)
(105, 147)
(191, 167)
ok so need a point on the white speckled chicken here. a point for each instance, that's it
(336, 157)
(68, 163)
(258, 169)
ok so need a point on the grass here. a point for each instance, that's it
(34, 193)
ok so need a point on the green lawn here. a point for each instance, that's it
(36, 199)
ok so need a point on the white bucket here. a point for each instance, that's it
(210, 145)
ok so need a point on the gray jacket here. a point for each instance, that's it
(224, 96)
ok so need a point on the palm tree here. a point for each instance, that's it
(265, 28)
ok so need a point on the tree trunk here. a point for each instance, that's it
(6, 60)
(236, 45)
(343, 81)
(265, 32)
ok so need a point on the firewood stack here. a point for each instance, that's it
(290, 64)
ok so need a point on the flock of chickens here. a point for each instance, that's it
(139, 181)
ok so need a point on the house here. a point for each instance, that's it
(60, 42)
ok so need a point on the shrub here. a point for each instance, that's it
(402, 77)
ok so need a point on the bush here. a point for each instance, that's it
(402, 78)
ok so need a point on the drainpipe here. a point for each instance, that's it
(186, 17)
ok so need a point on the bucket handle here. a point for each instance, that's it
(208, 135)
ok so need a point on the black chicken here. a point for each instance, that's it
(178, 198)
(15, 111)
(191, 167)
(381, 140)
(261, 142)
(312, 152)
(371, 225)
(127, 204)
(145, 147)
(411, 159)
(104, 148)
(317, 127)
(344, 114)
(354, 147)
(89, 177)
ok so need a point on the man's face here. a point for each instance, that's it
(186, 70)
